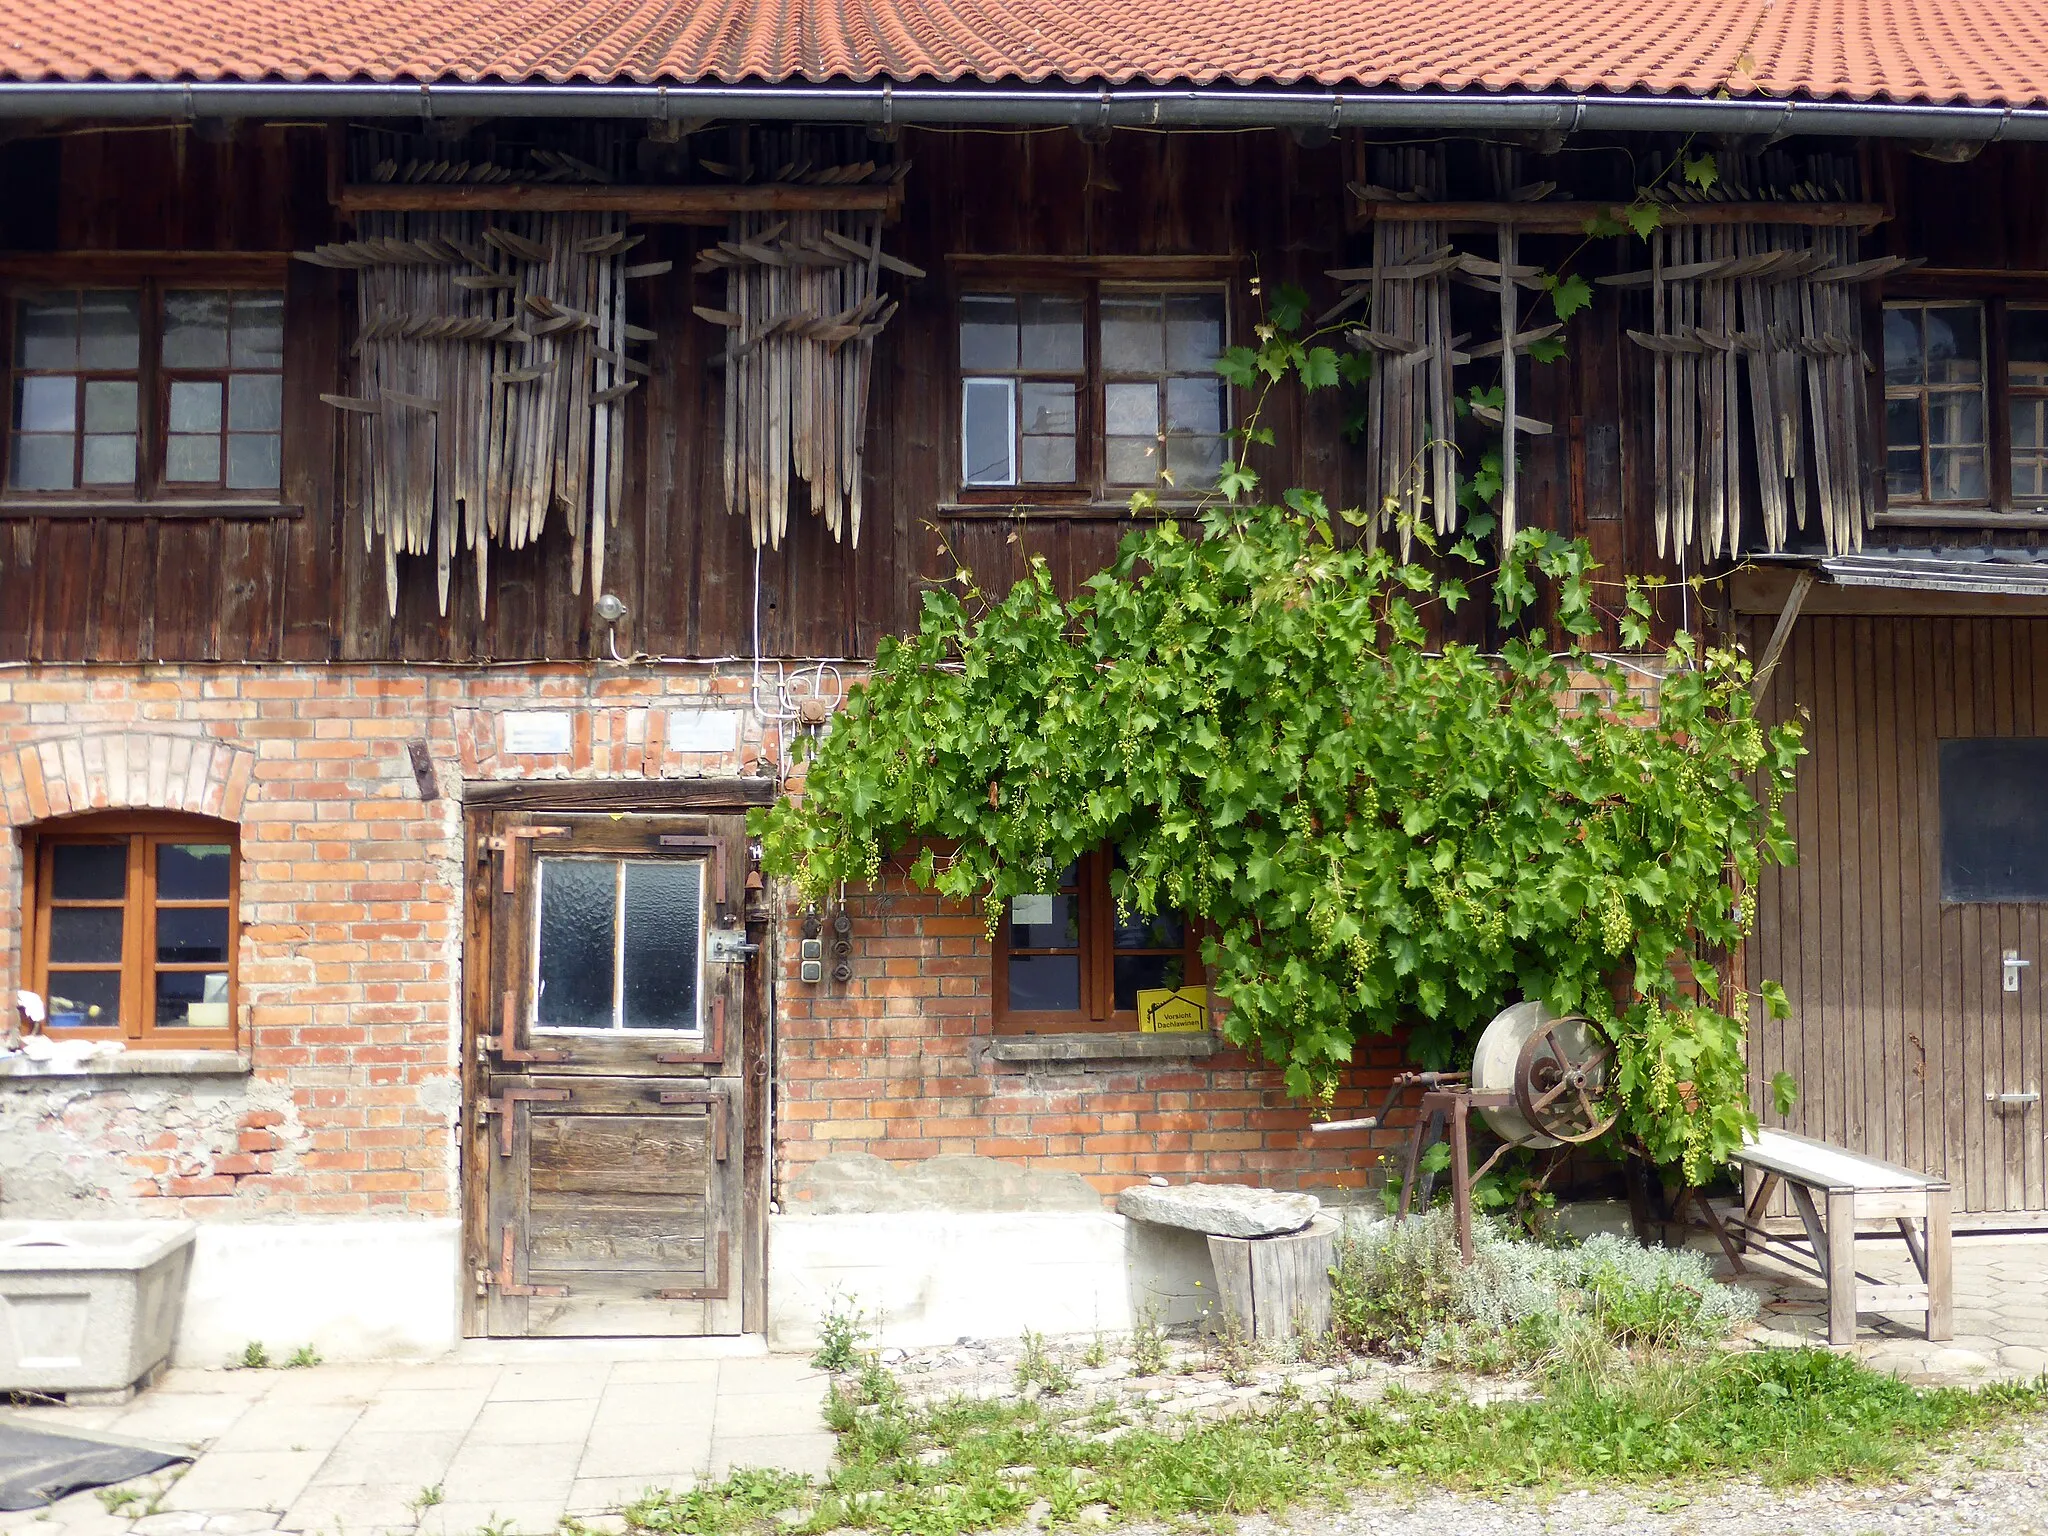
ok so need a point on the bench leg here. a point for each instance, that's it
(1940, 1269)
(1841, 1235)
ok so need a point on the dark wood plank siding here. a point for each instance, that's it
(1901, 1033)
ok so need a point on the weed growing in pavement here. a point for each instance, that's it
(1148, 1342)
(841, 1333)
(427, 1498)
(254, 1357)
(122, 1501)
(1096, 1355)
(1042, 1368)
(302, 1357)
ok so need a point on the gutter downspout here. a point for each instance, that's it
(1136, 106)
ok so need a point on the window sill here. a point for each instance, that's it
(1969, 517)
(1105, 1046)
(1093, 511)
(14, 507)
(150, 1063)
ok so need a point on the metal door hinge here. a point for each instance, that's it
(717, 1289)
(714, 1043)
(502, 1107)
(716, 1109)
(501, 1281)
(506, 842)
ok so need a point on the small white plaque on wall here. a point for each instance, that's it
(703, 730)
(538, 731)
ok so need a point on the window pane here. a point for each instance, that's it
(1055, 922)
(664, 911)
(988, 333)
(1955, 345)
(255, 402)
(1958, 474)
(110, 460)
(258, 330)
(1132, 972)
(253, 462)
(1902, 346)
(192, 999)
(1052, 334)
(46, 404)
(1194, 462)
(195, 329)
(1902, 423)
(2027, 344)
(1194, 330)
(1132, 460)
(1162, 930)
(85, 935)
(1045, 983)
(988, 436)
(46, 332)
(89, 872)
(578, 926)
(1902, 474)
(1194, 405)
(195, 405)
(109, 405)
(191, 935)
(1133, 335)
(1132, 409)
(110, 330)
(1048, 461)
(193, 871)
(84, 999)
(1955, 416)
(192, 459)
(41, 463)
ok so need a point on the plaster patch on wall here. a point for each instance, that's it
(850, 1183)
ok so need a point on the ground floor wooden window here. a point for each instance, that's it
(1067, 960)
(132, 929)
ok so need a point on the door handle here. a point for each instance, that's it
(2011, 965)
(2013, 1100)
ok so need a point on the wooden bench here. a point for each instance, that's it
(1832, 1190)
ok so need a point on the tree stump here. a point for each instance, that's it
(1276, 1288)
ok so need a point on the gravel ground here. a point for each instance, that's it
(2003, 1488)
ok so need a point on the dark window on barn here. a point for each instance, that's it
(1994, 819)
(1097, 389)
(1934, 405)
(133, 923)
(146, 391)
(1067, 960)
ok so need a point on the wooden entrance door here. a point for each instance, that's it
(1903, 1039)
(606, 1115)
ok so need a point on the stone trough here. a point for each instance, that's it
(1272, 1250)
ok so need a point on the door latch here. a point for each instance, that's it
(728, 945)
(2013, 965)
(2013, 1100)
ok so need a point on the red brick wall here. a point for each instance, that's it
(896, 1063)
(351, 943)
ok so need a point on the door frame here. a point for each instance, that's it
(643, 797)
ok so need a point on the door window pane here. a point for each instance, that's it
(578, 941)
(664, 914)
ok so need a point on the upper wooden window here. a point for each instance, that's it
(1092, 389)
(1936, 446)
(133, 929)
(150, 390)
(1067, 961)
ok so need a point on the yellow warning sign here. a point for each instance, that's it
(1163, 1011)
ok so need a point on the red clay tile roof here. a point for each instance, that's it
(1985, 52)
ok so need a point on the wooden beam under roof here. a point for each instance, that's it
(1571, 218)
(648, 204)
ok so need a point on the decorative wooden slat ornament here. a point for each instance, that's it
(801, 314)
(500, 340)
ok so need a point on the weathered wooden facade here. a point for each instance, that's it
(391, 783)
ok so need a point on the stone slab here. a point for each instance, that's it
(1221, 1210)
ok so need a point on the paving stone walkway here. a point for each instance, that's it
(2001, 1310)
(504, 1438)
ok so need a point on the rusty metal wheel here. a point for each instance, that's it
(1561, 1080)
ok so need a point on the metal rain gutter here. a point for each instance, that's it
(1103, 107)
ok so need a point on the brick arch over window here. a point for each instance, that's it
(125, 770)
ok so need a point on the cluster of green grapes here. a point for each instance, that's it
(1616, 931)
